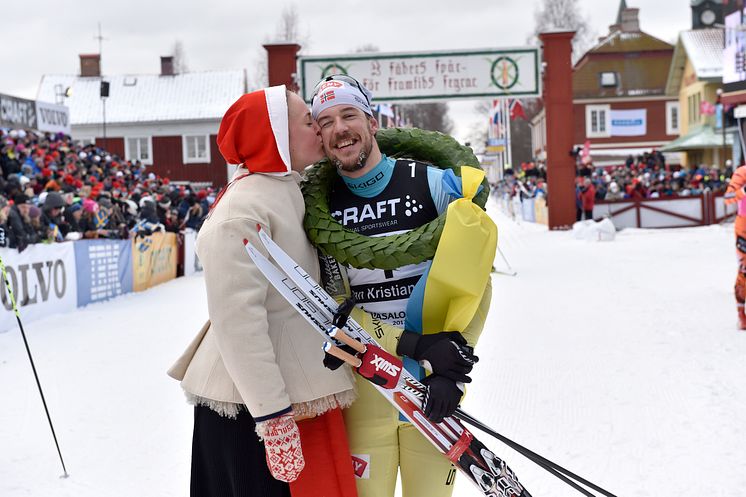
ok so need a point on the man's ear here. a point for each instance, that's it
(373, 124)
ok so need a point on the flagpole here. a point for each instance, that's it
(508, 145)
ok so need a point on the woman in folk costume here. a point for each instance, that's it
(254, 372)
(735, 194)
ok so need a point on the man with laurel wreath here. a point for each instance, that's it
(374, 196)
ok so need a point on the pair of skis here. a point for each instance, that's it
(481, 466)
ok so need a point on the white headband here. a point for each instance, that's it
(336, 92)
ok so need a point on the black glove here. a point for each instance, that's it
(332, 362)
(442, 397)
(339, 320)
(445, 353)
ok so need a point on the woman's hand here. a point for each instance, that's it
(282, 447)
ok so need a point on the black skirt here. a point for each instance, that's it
(228, 459)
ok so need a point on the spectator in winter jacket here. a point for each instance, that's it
(52, 218)
(21, 232)
(588, 198)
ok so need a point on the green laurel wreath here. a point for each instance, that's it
(393, 251)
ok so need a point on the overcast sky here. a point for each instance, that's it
(45, 36)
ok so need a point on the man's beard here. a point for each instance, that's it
(354, 166)
(359, 163)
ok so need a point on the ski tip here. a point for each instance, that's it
(258, 227)
(245, 241)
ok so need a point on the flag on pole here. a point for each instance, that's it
(516, 109)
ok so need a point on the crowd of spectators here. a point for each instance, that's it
(54, 189)
(648, 176)
(642, 177)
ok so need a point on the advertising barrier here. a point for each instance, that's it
(43, 280)
(60, 277)
(191, 262)
(104, 269)
(153, 260)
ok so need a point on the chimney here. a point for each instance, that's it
(630, 21)
(167, 65)
(90, 65)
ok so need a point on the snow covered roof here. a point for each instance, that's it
(145, 98)
(629, 41)
(704, 49)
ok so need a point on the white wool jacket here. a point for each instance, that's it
(256, 350)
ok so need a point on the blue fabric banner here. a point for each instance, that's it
(104, 269)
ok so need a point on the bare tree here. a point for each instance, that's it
(430, 116)
(564, 15)
(180, 62)
(288, 30)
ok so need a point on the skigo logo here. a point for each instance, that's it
(361, 466)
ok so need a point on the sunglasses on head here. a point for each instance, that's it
(343, 78)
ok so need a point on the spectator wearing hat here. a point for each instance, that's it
(72, 216)
(54, 206)
(20, 232)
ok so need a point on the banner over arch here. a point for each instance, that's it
(431, 76)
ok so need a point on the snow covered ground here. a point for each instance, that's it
(619, 360)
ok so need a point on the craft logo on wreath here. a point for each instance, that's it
(504, 73)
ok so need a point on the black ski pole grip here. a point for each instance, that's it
(343, 312)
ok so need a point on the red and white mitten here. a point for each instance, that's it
(282, 447)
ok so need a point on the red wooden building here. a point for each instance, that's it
(619, 102)
(168, 121)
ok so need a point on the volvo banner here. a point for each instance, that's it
(43, 280)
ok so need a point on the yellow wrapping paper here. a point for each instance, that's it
(462, 263)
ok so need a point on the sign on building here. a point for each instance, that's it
(628, 122)
(430, 76)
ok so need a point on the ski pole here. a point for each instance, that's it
(31, 359)
(553, 468)
(512, 272)
(538, 459)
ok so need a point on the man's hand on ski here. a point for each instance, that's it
(445, 353)
(442, 397)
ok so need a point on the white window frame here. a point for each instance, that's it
(670, 107)
(129, 155)
(195, 160)
(589, 110)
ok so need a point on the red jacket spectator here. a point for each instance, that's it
(588, 196)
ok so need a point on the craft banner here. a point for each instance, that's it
(153, 260)
(43, 280)
(104, 269)
(628, 122)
